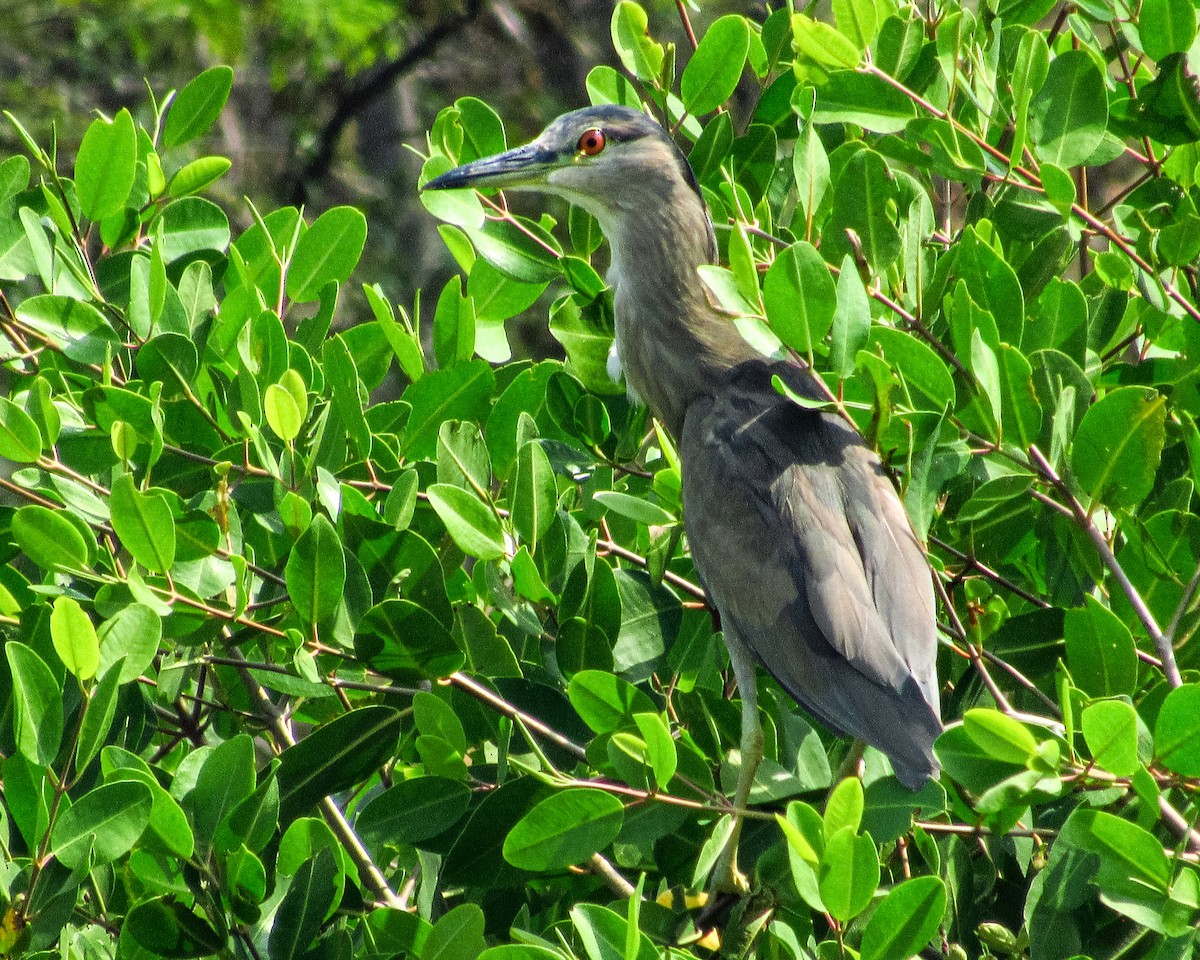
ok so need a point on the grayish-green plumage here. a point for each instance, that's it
(799, 538)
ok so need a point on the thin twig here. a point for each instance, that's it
(1166, 652)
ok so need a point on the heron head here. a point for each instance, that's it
(607, 159)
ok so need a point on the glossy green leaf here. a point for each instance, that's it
(20, 439)
(851, 319)
(863, 99)
(1069, 115)
(534, 494)
(193, 225)
(74, 638)
(197, 106)
(641, 56)
(169, 929)
(50, 540)
(37, 715)
(800, 297)
(457, 935)
(715, 67)
(104, 824)
(313, 893)
(1002, 737)
(105, 166)
(564, 829)
(283, 415)
(195, 176)
(906, 920)
(98, 717)
(413, 811)
(1166, 27)
(1177, 731)
(73, 326)
(316, 571)
(1100, 651)
(335, 756)
(1118, 446)
(849, 873)
(327, 252)
(1110, 729)
(404, 640)
(224, 780)
(144, 524)
(472, 525)
(605, 701)
(132, 635)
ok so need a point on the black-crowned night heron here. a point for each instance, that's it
(797, 535)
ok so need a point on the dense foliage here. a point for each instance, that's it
(290, 672)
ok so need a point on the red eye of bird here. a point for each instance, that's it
(591, 143)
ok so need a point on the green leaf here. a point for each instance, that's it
(105, 166)
(413, 811)
(457, 935)
(800, 297)
(224, 780)
(20, 439)
(328, 251)
(314, 892)
(533, 496)
(906, 920)
(844, 808)
(1100, 651)
(999, 735)
(104, 824)
(335, 756)
(1166, 27)
(195, 176)
(851, 320)
(631, 39)
(1118, 445)
(715, 67)
(460, 393)
(73, 326)
(865, 200)
(1177, 731)
(1069, 115)
(564, 829)
(98, 716)
(604, 701)
(197, 106)
(634, 508)
(49, 539)
(406, 641)
(522, 250)
(822, 45)
(849, 873)
(131, 635)
(1110, 729)
(74, 638)
(1132, 861)
(661, 754)
(169, 929)
(37, 714)
(472, 525)
(857, 20)
(929, 383)
(864, 99)
(283, 416)
(144, 524)
(316, 571)
(193, 225)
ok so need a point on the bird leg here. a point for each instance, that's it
(726, 877)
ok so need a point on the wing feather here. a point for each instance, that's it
(808, 554)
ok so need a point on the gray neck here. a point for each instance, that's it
(674, 345)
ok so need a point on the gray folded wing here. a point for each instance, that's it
(807, 552)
